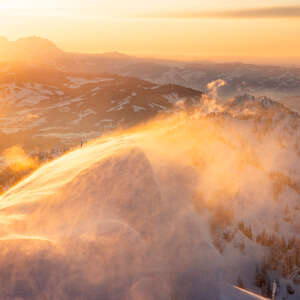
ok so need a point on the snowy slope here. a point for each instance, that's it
(156, 212)
(43, 107)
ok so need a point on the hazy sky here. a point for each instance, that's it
(160, 27)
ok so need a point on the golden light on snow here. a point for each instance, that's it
(185, 140)
(16, 158)
(136, 213)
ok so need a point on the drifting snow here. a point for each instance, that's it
(137, 215)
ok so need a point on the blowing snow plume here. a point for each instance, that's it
(150, 213)
(213, 88)
(17, 160)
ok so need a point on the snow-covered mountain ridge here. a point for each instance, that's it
(278, 82)
(169, 210)
(186, 195)
(43, 107)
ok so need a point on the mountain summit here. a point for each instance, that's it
(29, 49)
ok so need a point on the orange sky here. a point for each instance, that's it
(190, 28)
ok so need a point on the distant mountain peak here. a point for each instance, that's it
(29, 49)
(29, 42)
(35, 41)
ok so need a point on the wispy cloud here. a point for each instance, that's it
(251, 13)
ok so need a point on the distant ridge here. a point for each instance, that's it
(29, 49)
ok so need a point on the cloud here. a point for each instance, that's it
(250, 13)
